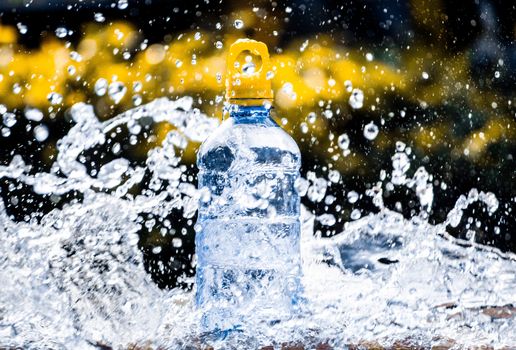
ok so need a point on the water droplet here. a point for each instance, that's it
(317, 191)
(334, 176)
(33, 114)
(288, 9)
(101, 86)
(352, 197)
(16, 88)
(304, 128)
(197, 35)
(348, 85)
(355, 214)
(22, 28)
(301, 186)
(71, 70)
(239, 24)
(122, 4)
(99, 17)
(218, 44)
(343, 141)
(218, 26)
(54, 98)
(9, 119)
(327, 219)
(400, 146)
(269, 75)
(116, 91)
(177, 242)
(75, 56)
(369, 57)
(41, 132)
(371, 131)
(248, 68)
(356, 100)
(497, 74)
(179, 63)
(137, 86)
(312, 117)
(61, 32)
(137, 100)
(425, 75)
(304, 45)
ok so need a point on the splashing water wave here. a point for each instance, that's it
(75, 277)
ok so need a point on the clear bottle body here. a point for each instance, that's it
(248, 239)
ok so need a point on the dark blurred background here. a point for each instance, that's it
(455, 64)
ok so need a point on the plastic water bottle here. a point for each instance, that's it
(248, 228)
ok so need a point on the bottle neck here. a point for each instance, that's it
(238, 111)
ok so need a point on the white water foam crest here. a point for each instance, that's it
(75, 278)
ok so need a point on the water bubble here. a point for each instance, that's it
(352, 197)
(371, 131)
(179, 63)
(356, 100)
(304, 128)
(33, 114)
(312, 117)
(116, 91)
(101, 86)
(9, 119)
(369, 57)
(425, 75)
(288, 9)
(61, 32)
(41, 132)
(122, 4)
(218, 26)
(343, 141)
(71, 70)
(197, 36)
(497, 74)
(218, 45)
(22, 28)
(269, 75)
(3, 109)
(54, 98)
(328, 113)
(99, 17)
(356, 214)
(6, 132)
(239, 24)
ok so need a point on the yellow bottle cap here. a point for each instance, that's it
(242, 80)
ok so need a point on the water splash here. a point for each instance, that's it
(74, 277)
